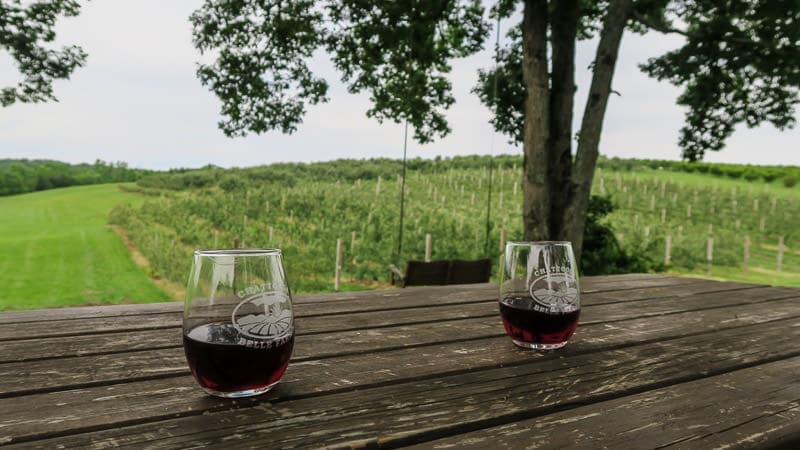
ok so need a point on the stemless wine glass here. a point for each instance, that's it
(539, 294)
(238, 327)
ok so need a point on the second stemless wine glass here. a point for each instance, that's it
(238, 326)
(539, 294)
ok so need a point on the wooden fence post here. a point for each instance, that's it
(668, 251)
(235, 242)
(689, 211)
(352, 242)
(663, 215)
(502, 259)
(647, 231)
(652, 202)
(709, 254)
(746, 260)
(780, 253)
(428, 245)
(338, 273)
(216, 238)
(761, 224)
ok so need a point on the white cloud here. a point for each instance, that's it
(138, 100)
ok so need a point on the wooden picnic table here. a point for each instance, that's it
(657, 361)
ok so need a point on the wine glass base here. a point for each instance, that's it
(535, 346)
(240, 394)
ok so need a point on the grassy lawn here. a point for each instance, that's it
(57, 250)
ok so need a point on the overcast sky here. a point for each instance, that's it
(138, 100)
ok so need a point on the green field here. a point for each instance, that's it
(56, 249)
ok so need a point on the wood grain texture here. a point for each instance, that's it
(752, 407)
(409, 412)
(428, 366)
(381, 302)
(595, 283)
(602, 325)
(161, 334)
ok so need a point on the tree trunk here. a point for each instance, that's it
(564, 27)
(592, 124)
(535, 181)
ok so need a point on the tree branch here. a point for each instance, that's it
(666, 29)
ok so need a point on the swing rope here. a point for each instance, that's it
(491, 141)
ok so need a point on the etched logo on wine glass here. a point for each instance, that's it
(266, 315)
(555, 291)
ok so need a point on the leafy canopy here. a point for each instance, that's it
(740, 62)
(24, 31)
(399, 52)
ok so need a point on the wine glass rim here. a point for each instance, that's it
(539, 243)
(239, 252)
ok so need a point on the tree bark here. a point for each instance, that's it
(614, 22)
(535, 181)
(564, 27)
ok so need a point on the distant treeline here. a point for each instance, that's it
(18, 176)
(21, 175)
(345, 170)
(789, 175)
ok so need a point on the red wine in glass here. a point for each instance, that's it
(224, 361)
(533, 326)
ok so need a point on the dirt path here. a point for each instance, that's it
(175, 290)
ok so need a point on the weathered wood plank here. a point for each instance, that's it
(398, 414)
(159, 337)
(87, 345)
(600, 283)
(141, 323)
(483, 313)
(48, 375)
(756, 406)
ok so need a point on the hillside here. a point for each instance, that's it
(56, 249)
(304, 209)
